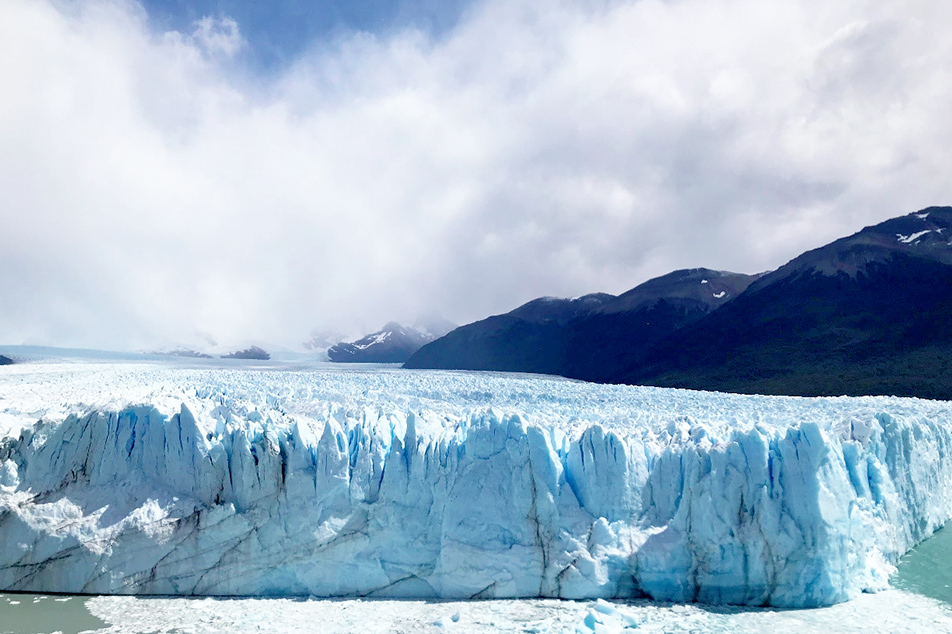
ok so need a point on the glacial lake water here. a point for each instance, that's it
(36, 613)
(927, 568)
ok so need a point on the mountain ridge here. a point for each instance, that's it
(865, 314)
(554, 336)
(870, 313)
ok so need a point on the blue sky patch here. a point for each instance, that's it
(277, 32)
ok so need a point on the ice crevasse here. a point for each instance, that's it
(713, 498)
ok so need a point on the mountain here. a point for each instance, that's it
(528, 339)
(608, 341)
(184, 352)
(254, 353)
(867, 314)
(392, 344)
(589, 337)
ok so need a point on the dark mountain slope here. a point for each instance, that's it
(527, 339)
(701, 288)
(590, 337)
(867, 314)
(606, 342)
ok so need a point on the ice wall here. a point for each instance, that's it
(358, 499)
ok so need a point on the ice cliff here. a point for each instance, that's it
(152, 480)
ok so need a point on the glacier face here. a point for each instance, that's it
(151, 479)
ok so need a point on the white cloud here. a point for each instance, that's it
(218, 35)
(537, 149)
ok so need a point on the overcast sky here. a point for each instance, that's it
(172, 168)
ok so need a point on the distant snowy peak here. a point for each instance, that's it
(374, 340)
(394, 343)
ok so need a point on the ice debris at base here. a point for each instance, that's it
(162, 480)
(890, 611)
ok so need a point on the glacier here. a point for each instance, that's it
(131, 478)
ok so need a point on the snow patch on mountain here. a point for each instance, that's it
(372, 340)
(913, 237)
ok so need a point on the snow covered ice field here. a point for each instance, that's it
(195, 479)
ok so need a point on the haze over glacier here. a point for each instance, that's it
(205, 481)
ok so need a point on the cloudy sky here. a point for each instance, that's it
(256, 170)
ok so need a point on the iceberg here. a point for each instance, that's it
(151, 479)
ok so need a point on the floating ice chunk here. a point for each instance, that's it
(605, 607)
(605, 618)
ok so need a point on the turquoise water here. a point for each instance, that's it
(45, 614)
(927, 568)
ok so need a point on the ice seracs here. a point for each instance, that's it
(146, 479)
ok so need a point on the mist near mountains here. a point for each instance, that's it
(157, 188)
